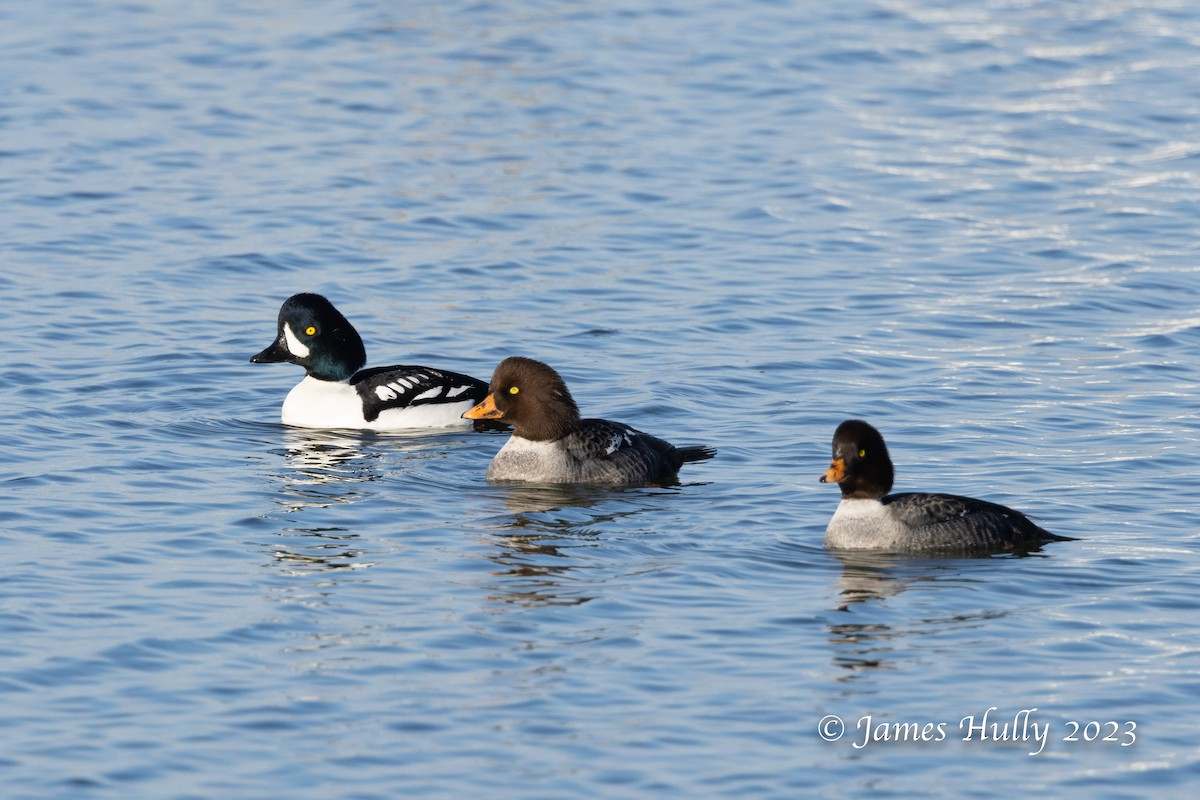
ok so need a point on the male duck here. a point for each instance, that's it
(338, 393)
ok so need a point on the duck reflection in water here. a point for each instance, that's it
(526, 577)
(326, 469)
(866, 643)
(867, 576)
(545, 538)
(323, 468)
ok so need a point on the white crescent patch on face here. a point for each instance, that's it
(294, 345)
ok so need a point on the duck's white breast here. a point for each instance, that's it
(862, 525)
(526, 460)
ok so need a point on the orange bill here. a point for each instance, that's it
(485, 410)
(836, 472)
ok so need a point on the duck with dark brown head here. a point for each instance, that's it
(868, 518)
(551, 443)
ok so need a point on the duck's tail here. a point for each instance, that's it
(698, 453)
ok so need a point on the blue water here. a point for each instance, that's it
(973, 224)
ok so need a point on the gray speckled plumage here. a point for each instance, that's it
(952, 522)
(599, 452)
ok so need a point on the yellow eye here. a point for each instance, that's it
(513, 389)
(310, 330)
(862, 453)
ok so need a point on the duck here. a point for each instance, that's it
(337, 392)
(868, 518)
(551, 443)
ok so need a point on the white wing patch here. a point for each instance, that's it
(390, 391)
(456, 391)
(615, 443)
(427, 393)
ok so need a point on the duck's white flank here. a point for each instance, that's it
(314, 403)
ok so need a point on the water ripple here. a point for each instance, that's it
(724, 224)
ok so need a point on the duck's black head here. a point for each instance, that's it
(315, 335)
(531, 397)
(860, 464)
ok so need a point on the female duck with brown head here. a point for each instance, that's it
(551, 443)
(868, 518)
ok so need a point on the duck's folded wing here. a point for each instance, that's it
(618, 453)
(951, 522)
(383, 388)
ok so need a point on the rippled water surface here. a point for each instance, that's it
(728, 223)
